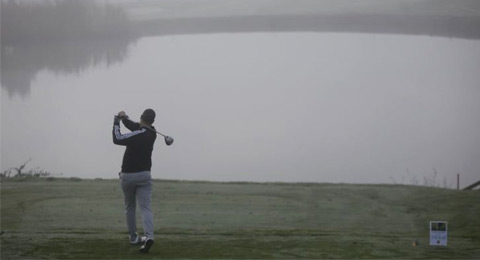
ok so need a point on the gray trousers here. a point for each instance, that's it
(138, 187)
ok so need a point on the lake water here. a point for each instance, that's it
(303, 107)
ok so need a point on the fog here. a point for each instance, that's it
(298, 100)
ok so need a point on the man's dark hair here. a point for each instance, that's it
(148, 116)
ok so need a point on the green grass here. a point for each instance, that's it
(72, 219)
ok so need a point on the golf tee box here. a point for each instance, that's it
(438, 233)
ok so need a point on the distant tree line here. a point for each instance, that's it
(60, 20)
(61, 36)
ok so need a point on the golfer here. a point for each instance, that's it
(136, 179)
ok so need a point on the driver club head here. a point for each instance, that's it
(168, 140)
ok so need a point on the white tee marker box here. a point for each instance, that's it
(438, 233)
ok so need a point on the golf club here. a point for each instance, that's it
(168, 139)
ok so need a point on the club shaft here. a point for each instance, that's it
(151, 129)
(155, 131)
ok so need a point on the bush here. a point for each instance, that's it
(18, 172)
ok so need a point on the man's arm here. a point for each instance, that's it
(132, 126)
(124, 139)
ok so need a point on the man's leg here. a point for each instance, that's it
(144, 196)
(129, 189)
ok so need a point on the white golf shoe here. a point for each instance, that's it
(146, 245)
(138, 240)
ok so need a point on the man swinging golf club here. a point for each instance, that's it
(135, 177)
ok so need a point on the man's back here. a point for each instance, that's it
(139, 146)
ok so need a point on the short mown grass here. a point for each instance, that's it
(66, 219)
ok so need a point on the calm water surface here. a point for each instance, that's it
(306, 107)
